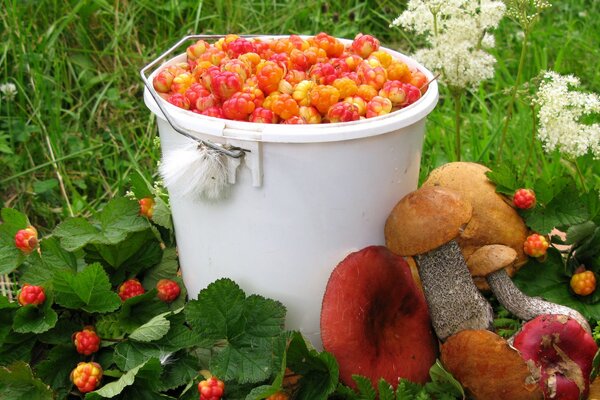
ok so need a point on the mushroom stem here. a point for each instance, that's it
(454, 301)
(525, 307)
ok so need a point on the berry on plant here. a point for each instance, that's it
(26, 239)
(168, 290)
(86, 376)
(583, 282)
(211, 389)
(86, 341)
(147, 206)
(535, 245)
(31, 295)
(130, 288)
(524, 199)
(278, 396)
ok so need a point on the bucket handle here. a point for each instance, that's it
(230, 151)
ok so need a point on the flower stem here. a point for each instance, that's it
(513, 96)
(580, 175)
(532, 144)
(456, 94)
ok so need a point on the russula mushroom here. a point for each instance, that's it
(424, 224)
(562, 353)
(491, 262)
(488, 368)
(494, 220)
(374, 319)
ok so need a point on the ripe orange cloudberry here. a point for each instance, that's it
(323, 97)
(535, 245)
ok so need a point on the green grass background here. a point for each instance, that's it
(78, 125)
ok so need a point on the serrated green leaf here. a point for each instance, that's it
(35, 319)
(119, 218)
(75, 233)
(442, 382)
(504, 178)
(89, 290)
(52, 260)
(565, 210)
(18, 383)
(385, 390)
(57, 366)
(365, 388)
(134, 248)
(166, 269)
(17, 347)
(162, 214)
(129, 354)
(407, 390)
(139, 185)
(13, 220)
(138, 310)
(579, 232)
(109, 326)
(152, 330)
(5, 303)
(180, 369)
(6, 321)
(62, 331)
(113, 389)
(10, 256)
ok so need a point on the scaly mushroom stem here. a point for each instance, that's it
(454, 301)
(525, 307)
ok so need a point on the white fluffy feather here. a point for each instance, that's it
(195, 170)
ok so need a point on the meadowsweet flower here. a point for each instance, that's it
(526, 12)
(560, 113)
(8, 90)
(458, 32)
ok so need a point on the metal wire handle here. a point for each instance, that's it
(234, 152)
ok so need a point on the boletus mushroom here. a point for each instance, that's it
(488, 368)
(375, 321)
(424, 224)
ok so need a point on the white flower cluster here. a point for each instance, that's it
(8, 90)
(458, 33)
(560, 113)
(525, 12)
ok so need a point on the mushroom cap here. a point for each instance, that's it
(488, 368)
(494, 220)
(490, 258)
(426, 219)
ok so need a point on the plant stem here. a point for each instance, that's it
(513, 96)
(580, 175)
(456, 95)
(533, 131)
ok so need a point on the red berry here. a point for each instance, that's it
(323, 73)
(263, 115)
(179, 100)
(295, 120)
(238, 47)
(213, 111)
(225, 84)
(168, 290)
(31, 295)
(211, 389)
(194, 92)
(394, 90)
(364, 45)
(130, 288)
(147, 206)
(343, 112)
(86, 341)
(86, 376)
(26, 239)
(378, 106)
(535, 245)
(196, 50)
(162, 81)
(238, 107)
(524, 199)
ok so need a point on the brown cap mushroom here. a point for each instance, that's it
(488, 368)
(488, 259)
(494, 221)
(423, 224)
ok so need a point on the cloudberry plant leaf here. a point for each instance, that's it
(152, 330)
(138, 310)
(162, 214)
(89, 290)
(53, 260)
(130, 355)
(32, 319)
(549, 280)
(504, 178)
(139, 185)
(139, 250)
(17, 382)
(56, 367)
(12, 221)
(74, 233)
(564, 210)
(165, 269)
(319, 371)
(113, 389)
(179, 369)
(17, 347)
(279, 366)
(580, 232)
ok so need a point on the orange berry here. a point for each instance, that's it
(285, 106)
(367, 92)
(310, 114)
(346, 86)
(583, 283)
(399, 71)
(323, 97)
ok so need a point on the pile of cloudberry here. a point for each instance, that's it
(290, 80)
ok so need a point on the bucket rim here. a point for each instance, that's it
(200, 126)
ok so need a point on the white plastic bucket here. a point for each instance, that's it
(304, 197)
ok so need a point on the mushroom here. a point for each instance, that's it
(488, 368)
(375, 321)
(561, 352)
(424, 224)
(491, 262)
(494, 220)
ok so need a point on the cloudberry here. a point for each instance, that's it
(378, 106)
(26, 239)
(367, 92)
(535, 245)
(237, 66)
(323, 73)
(299, 61)
(412, 93)
(323, 97)
(394, 91)
(295, 120)
(524, 198)
(364, 45)
(285, 106)
(225, 83)
(374, 77)
(130, 288)
(268, 75)
(419, 80)
(332, 46)
(86, 376)
(86, 341)
(346, 86)
(310, 114)
(342, 112)
(147, 206)
(238, 107)
(204, 102)
(31, 295)
(301, 91)
(399, 71)
(384, 58)
(168, 290)
(213, 111)
(583, 282)
(195, 50)
(211, 389)
(179, 100)
(162, 81)
(263, 115)
(359, 102)
(182, 82)
(238, 47)
(278, 396)
(194, 92)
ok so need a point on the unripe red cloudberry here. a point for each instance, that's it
(524, 199)
(26, 239)
(168, 290)
(130, 288)
(211, 389)
(31, 295)
(86, 376)
(535, 245)
(86, 341)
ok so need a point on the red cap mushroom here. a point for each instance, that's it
(374, 319)
(562, 353)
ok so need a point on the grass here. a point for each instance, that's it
(78, 126)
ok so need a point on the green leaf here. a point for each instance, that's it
(180, 369)
(62, 331)
(89, 290)
(138, 310)
(162, 214)
(75, 233)
(504, 178)
(166, 269)
(385, 390)
(17, 347)
(132, 248)
(319, 371)
(52, 260)
(152, 330)
(13, 221)
(109, 326)
(407, 389)
(139, 185)
(249, 328)
(130, 355)
(365, 388)
(442, 382)
(36, 319)
(56, 368)
(548, 280)
(580, 232)
(18, 383)
(149, 369)
(10, 256)
(564, 210)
